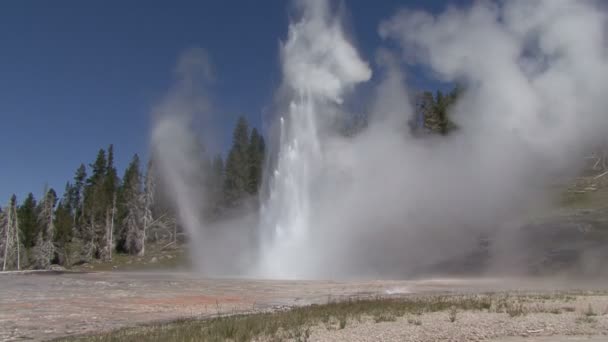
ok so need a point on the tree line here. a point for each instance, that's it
(100, 213)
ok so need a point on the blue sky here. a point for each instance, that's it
(76, 76)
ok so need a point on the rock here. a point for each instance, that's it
(153, 260)
(55, 267)
(169, 256)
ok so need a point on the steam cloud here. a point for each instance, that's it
(386, 203)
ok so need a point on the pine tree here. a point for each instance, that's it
(77, 249)
(255, 156)
(63, 225)
(77, 191)
(110, 181)
(217, 183)
(435, 110)
(28, 220)
(94, 209)
(237, 171)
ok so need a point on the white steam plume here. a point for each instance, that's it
(319, 65)
(387, 203)
(174, 145)
(216, 248)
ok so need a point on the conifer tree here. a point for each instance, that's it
(255, 156)
(63, 226)
(80, 246)
(94, 209)
(237, 171)
(106, 243)
(77, 191)
(217, 183)
(28, 220)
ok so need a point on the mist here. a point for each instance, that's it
(386, 202)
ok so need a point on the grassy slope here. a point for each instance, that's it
(156, 257)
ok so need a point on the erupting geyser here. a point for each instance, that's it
(319, 64)
(384, 202)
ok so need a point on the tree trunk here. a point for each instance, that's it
(18, 242)
(111, 243)
(8, 228)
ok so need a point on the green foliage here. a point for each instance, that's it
(243, 170)
(77, 190)
(98, 210)
(255, 156)
(128, 205)
(237, 171)
(63, 218)
(110, 182)
(28, 221)
(436, 110)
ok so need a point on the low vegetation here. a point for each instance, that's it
(297, 324)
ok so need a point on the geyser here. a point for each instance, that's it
(319, 65)
(386, 203)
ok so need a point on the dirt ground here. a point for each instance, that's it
(44, 305)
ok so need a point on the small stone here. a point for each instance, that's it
(153, 260)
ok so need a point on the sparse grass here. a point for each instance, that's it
(586, 319)
(589, 312)
(453, 313)
(515, 309)
(569, 308)
(414, 321)
(555, 311)
(342, 323)
(294, 323)
(385, 318)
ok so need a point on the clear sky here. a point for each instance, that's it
(76, 76)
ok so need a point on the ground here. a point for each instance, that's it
(98, 298)
(41, 306)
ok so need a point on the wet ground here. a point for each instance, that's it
(43, 305)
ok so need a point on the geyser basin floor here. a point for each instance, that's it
(38, 306)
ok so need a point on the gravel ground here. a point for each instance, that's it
(40, 306)
(544, 320)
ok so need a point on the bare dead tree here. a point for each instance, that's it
(108, 233)
(11, 244)
(16, 232)
(6, 228)
(111, 233)
(133, 223)
(44, 249)
(148, 203)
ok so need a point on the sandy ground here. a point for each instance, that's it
(40, 306)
